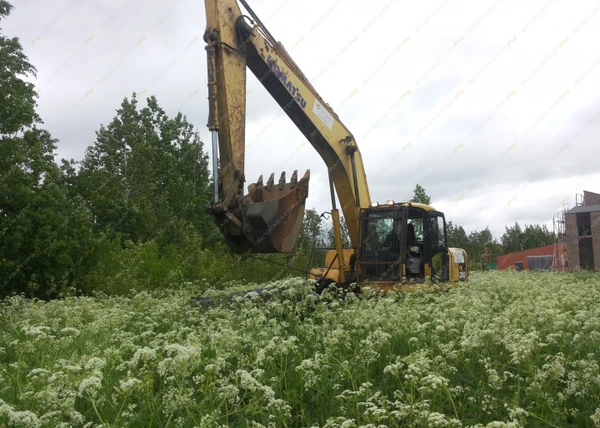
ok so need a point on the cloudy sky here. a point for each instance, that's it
(492, 106)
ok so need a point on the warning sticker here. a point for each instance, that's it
(459, 256)
(323, 114)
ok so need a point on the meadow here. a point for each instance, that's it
(507, 349)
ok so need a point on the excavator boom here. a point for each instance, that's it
(269, 217)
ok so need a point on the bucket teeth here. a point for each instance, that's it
(268, 219)
(271, 181)
(282, 180)
(253, 187)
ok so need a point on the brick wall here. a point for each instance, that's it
(595, 216)
(507, 261)
(591, 198)
(572, 241)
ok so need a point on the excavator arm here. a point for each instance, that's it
(269, 217)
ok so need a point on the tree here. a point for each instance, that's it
(312, 240)
(44, 230)
(421, 196)
(146, 177)
(330, 241)
(477, 243)
(312, 231)
(516, 238)
(512, 240)
(17, 96)
(537, 236)
(481, 244)
(457, 237)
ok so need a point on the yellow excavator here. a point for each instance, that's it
(392, 243)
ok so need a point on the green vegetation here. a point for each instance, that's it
(129, 215)
(477, 355)
(420, 195)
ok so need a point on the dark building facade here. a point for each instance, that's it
(582, 226)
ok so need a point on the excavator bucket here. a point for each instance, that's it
(269, 218)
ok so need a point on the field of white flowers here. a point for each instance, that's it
(507, 349)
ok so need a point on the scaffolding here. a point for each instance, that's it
(560, 260)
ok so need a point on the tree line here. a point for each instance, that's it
(131, 214)
(481, 245)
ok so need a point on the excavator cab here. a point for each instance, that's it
(403, 241)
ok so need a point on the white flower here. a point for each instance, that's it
(24, 419)
(70, 331)
(90, 386)
(144, 354)
(129, 384)
(596, 417)
(95, 363)
(36, 374)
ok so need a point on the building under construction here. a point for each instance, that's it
(582, 232)
(576, 241)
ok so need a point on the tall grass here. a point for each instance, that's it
(507, 349)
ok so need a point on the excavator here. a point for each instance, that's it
(393, 244)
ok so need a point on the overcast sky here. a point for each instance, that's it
(492, 106)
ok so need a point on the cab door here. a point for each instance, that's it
(436, 245)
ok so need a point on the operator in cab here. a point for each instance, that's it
(393, 239)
